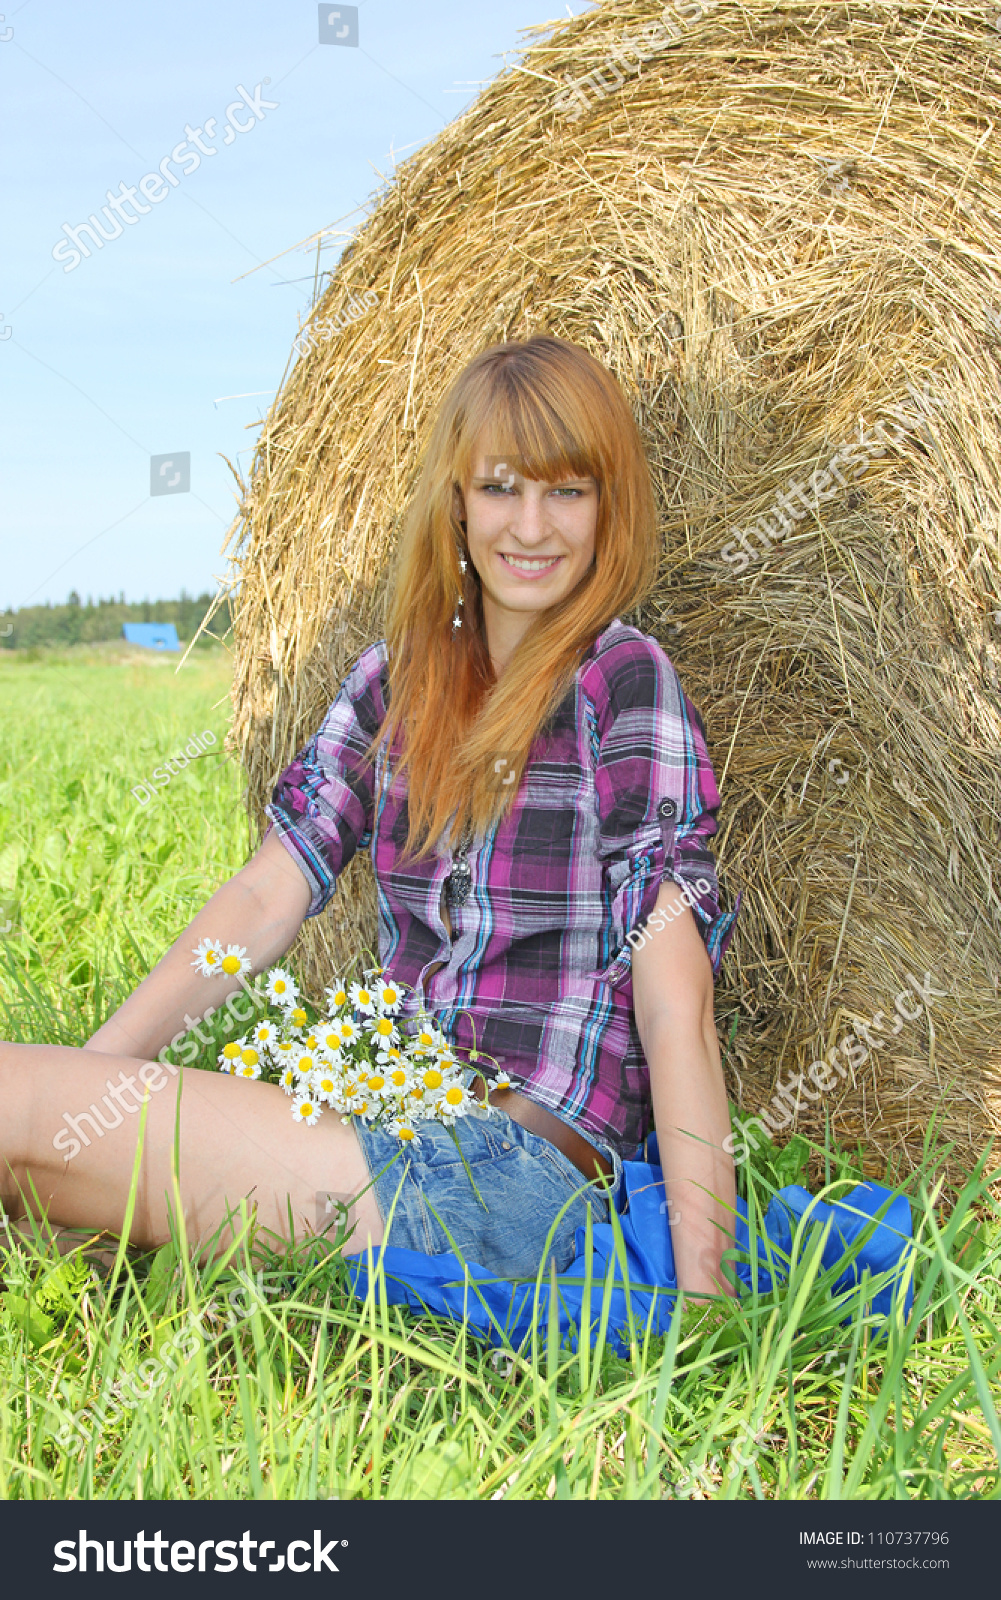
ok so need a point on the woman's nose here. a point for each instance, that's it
(528, 523)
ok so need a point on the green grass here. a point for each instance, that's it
(281, 1384)
(96, 884)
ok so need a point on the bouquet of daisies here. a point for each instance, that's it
(357, 1060)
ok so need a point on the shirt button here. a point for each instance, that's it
(668, 810)
(505, 1145)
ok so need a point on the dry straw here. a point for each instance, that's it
(774, 230)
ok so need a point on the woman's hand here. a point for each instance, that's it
(261, 908)
(673, 1006)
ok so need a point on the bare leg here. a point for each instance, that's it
(237, 1140)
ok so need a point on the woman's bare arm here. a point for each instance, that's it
(673, 1006)
(261, 908)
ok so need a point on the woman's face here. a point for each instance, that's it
(530, 542)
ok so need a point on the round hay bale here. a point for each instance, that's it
(776, 224)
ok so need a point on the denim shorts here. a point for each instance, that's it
(524, 1182)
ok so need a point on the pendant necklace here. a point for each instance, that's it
(460, 879)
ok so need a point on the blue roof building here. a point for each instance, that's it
(152, 635)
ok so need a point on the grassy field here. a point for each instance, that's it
(261, 1376)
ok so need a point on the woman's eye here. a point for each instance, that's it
(564, 491)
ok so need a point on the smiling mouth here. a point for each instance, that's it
(530, 563)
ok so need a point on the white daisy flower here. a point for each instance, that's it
(356, 1098)
(247, 1069)
(324, 1085)
(371, 973)
(427, 1040)
(500, 1081)
(235, 961)
(350, 1031)
(284, 1050)
(329, 1038)
(363, 999)
(287, 1081)
(383, 1030)
(280, 987)
(453, 1101)
(208, 957)
(390, 997)
(304, 1065)
(306, 1109)
(297, 1019)
(310, 1042)
(377, 1084)
(337, 996)
(229, 1054)
(264, 1034)
(399, 1078)
(403, 1129)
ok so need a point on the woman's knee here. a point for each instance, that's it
(13, 1111)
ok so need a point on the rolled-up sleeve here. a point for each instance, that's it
(322, 805)
(657, 796)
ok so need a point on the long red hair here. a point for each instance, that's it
(559, 413)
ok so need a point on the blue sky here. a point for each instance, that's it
(122, 357)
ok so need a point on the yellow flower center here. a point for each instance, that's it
(333, 1041)
(306, 1108)
(231, 1051)
(405, 1133)
(425, 1039)
(250, 1056)
(211, 957)
(340, 998)
(231, 964)
(305, 1063)
(299, 1017)
(454, 1095)
(432, 1079)
(384, 1026)
(389, 997)
(280, 986)
(375, 1082)
(398, 1077)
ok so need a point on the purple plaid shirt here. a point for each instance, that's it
(617, 797)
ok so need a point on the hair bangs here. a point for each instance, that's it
(540, 426)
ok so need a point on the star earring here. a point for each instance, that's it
(457, 620)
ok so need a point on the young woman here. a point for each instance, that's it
(536, 794)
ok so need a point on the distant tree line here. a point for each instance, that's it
(89, 621)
